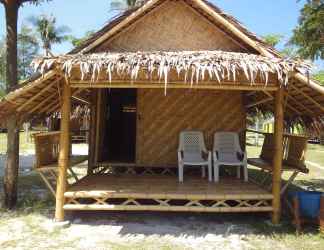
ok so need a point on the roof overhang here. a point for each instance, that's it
(189, 66)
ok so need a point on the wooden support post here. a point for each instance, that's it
(98, 125)
(92, 131)
(64, 152)
(277, 161)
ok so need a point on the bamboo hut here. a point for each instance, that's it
(154, 71)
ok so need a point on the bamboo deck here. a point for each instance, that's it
(164, 193)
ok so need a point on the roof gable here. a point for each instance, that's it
(172, 26)
(224, 22)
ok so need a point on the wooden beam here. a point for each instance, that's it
(251, 93)
(59, 91)
(175, 85)
(92, 136)
(300, 104)
(294, 109)
(309, 82)
(98, 117)
(37, 95)
(277, 160)
(42, 103)
(64, 154)
(56, 104)
(12, 95)
(80, 100)
(288, 105)
(53, 109)
(309, 98)
(268, 99)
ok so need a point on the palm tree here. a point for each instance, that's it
(12, 164)
(48, 32)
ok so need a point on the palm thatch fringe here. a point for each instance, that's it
(196, 65)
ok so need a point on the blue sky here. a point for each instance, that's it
(260, 16)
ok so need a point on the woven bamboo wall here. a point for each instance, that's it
(161, 118)
(172, 26)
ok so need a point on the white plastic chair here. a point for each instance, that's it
(227, 152)
(191, 153)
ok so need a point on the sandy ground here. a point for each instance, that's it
(131, 231)
(26, 160)
(32, 227)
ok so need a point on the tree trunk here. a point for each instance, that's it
(12, 163)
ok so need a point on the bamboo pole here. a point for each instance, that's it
(173, 85)
(309, 98)
(40, 93)
(42, 103)
(64, 152)
(277, 161)
(92, 136)
(98, 119)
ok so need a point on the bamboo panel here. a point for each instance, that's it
(162, 118)
(172, 26)
(47, 148)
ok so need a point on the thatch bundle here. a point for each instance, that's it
(196, 65)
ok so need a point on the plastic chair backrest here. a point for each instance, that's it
(192, 142)
(227, 142)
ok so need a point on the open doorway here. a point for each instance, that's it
(120, 134)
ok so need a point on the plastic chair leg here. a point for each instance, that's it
(246, 174)
(210, 174)
(216, 172)
(180, 172)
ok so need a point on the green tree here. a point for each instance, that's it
(273, 40)
(78, 41)
(124, 4)
(27, 49)
(12, 163)
(309, 34)
(49, 33)
(319, 76)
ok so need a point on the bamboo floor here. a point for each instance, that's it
(165, 193)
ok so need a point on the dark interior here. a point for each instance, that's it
(120, 137)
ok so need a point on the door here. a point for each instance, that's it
(120, 139)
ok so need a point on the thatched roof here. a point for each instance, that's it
(40, 96)
(304, 97)
(196, 65)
